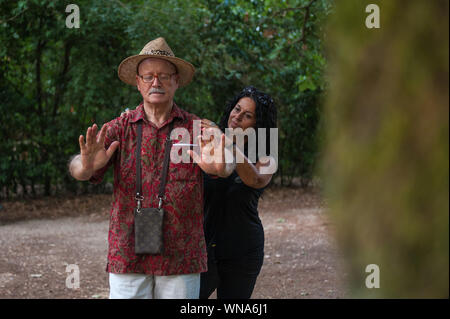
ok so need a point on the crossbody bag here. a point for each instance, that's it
(148, 222)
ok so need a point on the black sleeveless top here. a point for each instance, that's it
(231, 220)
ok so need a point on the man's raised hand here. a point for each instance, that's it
(93, 154)
(212, 153)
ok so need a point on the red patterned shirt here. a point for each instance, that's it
(184, 243)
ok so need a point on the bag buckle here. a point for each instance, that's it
(160, 202)
(139, 198)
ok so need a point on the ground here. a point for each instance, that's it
(40, 238)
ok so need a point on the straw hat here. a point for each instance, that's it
(157, 48)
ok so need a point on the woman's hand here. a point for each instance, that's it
(125, 112)
(208, 124)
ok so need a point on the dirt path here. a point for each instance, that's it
(40, 238)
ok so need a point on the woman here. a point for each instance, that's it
(234, 233)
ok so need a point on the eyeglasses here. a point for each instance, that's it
(163, 77)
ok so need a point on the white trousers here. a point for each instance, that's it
(141, 286)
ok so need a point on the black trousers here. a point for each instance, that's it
(233, 278)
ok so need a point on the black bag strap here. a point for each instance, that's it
(168, 145)
(139, 198)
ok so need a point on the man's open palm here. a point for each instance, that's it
(93, 153)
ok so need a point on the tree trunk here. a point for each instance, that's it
(385, 164)
(62, 79)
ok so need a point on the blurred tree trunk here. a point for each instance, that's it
(385, 163)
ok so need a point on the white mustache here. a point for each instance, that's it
(156, 90)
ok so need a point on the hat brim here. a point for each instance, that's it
(127, 68)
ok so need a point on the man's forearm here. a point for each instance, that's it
(78, 171)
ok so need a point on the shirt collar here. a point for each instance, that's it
(139, 114)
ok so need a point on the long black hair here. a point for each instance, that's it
(265, 111)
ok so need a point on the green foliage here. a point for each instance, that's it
(56, 81)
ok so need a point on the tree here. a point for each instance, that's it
(56, 81)
(385, 158)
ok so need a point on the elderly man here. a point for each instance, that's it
(174, 273)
